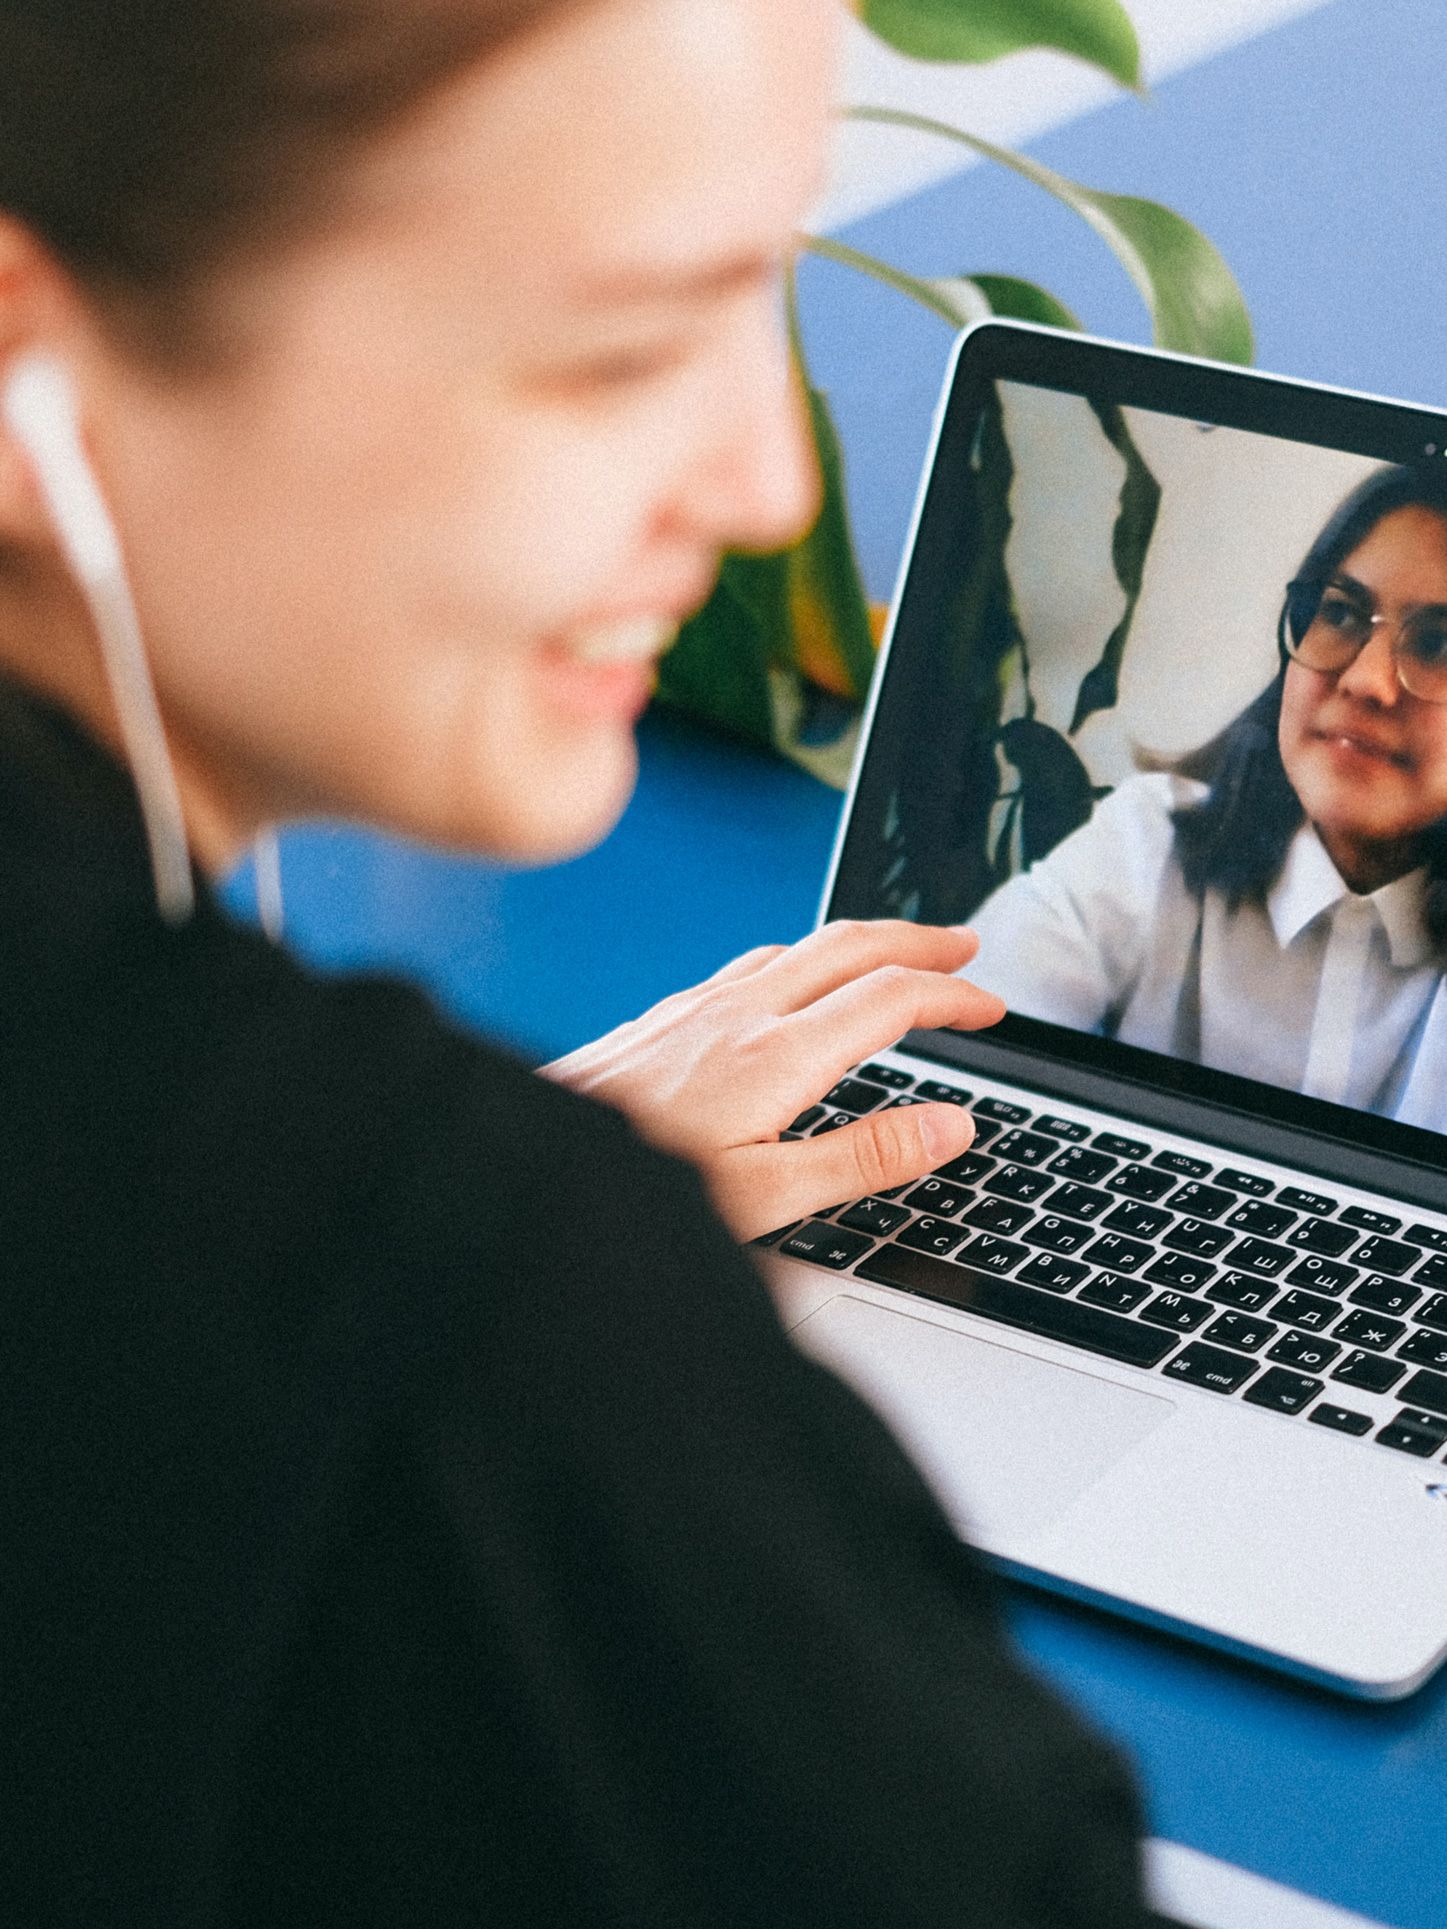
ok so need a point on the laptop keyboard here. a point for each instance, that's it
(1295, 1300)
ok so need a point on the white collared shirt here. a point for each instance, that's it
(1316, 990)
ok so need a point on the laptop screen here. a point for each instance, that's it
(1164, 716)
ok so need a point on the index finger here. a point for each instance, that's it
(840, 953)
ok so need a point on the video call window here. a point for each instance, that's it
(1182, 757)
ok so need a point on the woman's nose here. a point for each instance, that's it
(759, 487)
(1371, 676)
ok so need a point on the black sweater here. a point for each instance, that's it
(411, 1511)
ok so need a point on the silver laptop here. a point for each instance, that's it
(1162, 710)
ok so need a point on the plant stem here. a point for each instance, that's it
(902, 284)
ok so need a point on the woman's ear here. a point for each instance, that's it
(31, 313)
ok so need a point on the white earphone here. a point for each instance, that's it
(40, 411)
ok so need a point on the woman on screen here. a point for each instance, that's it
(1276, 906)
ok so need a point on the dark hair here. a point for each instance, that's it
(147, 142)
(1235, 840)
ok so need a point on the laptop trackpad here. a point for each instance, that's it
(1007, 1441)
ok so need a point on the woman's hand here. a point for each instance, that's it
(716, 1073)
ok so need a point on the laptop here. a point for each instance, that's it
(1158, 710)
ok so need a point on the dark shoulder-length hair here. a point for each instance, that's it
(1235, 839)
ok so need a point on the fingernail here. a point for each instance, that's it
(948, 1130)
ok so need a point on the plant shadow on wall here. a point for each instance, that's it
(789, 635)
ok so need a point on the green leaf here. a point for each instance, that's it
(1055, 791)
(1135, 523)
(1022, 301)
(1097, 31)
(1194, 303)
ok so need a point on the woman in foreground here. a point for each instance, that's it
(412, 1510)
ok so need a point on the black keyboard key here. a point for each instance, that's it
(1419, 1417)
(1432, 1271)
(1049, 1270)
(1202, 1202)
(1120, 1254)
(1178, 1311)
(1409, 1439)
(1240, 1289)
(1283, 1392)
(1301, 1200)
(874, 1216)
(1120, 1148)
(940, 1197)
(1386, 1255)
(1385, 1295)
(1139, 1182)
(1019, 1182)
(1197, 1237)
(887, 1075)
(1062, 1128)
(1424, 1389)
(1201, 1365)
(1425, 1349)
(1059, 1235)
(1244, 1182)
(1239, 1330)
(1003, 1109)
(1260, 1256)
(1371, 1330)
(1306, 1310)
(1373, 1373)
(1005, 1300)
(1182, 1164)
(985, 1130)
(1322, 1275)
(968, 1169)
(941, 1094)
(1434, 1313)
(854, 1095)
(1111, 1290)
(1370, 1220)
(1433, 1236)
(825, 1245)
(833, 1122)
(1079, 1162)
(1180, 1269)
(909, 1098)
(1027, 1148)
(998, 1215)
(995, 1255)
(932, 1236)
(807, 1119)
(1080, 1202)
(1342, 1418)
(1323, 1236)
(1254, 1215)
(1304, 1350)
(1141, 1222)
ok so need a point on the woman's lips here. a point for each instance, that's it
(1354, 743)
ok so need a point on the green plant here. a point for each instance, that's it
(778, 626)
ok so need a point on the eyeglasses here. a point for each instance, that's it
(1325, 627)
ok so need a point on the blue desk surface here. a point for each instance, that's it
(1316, 156)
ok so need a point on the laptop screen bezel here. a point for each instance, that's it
(1076, 365)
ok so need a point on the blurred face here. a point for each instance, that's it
(412, 555)
(1367, 760)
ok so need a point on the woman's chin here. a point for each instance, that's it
(570, 804)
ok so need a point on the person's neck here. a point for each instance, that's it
(1365, 866)
(48, 647)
